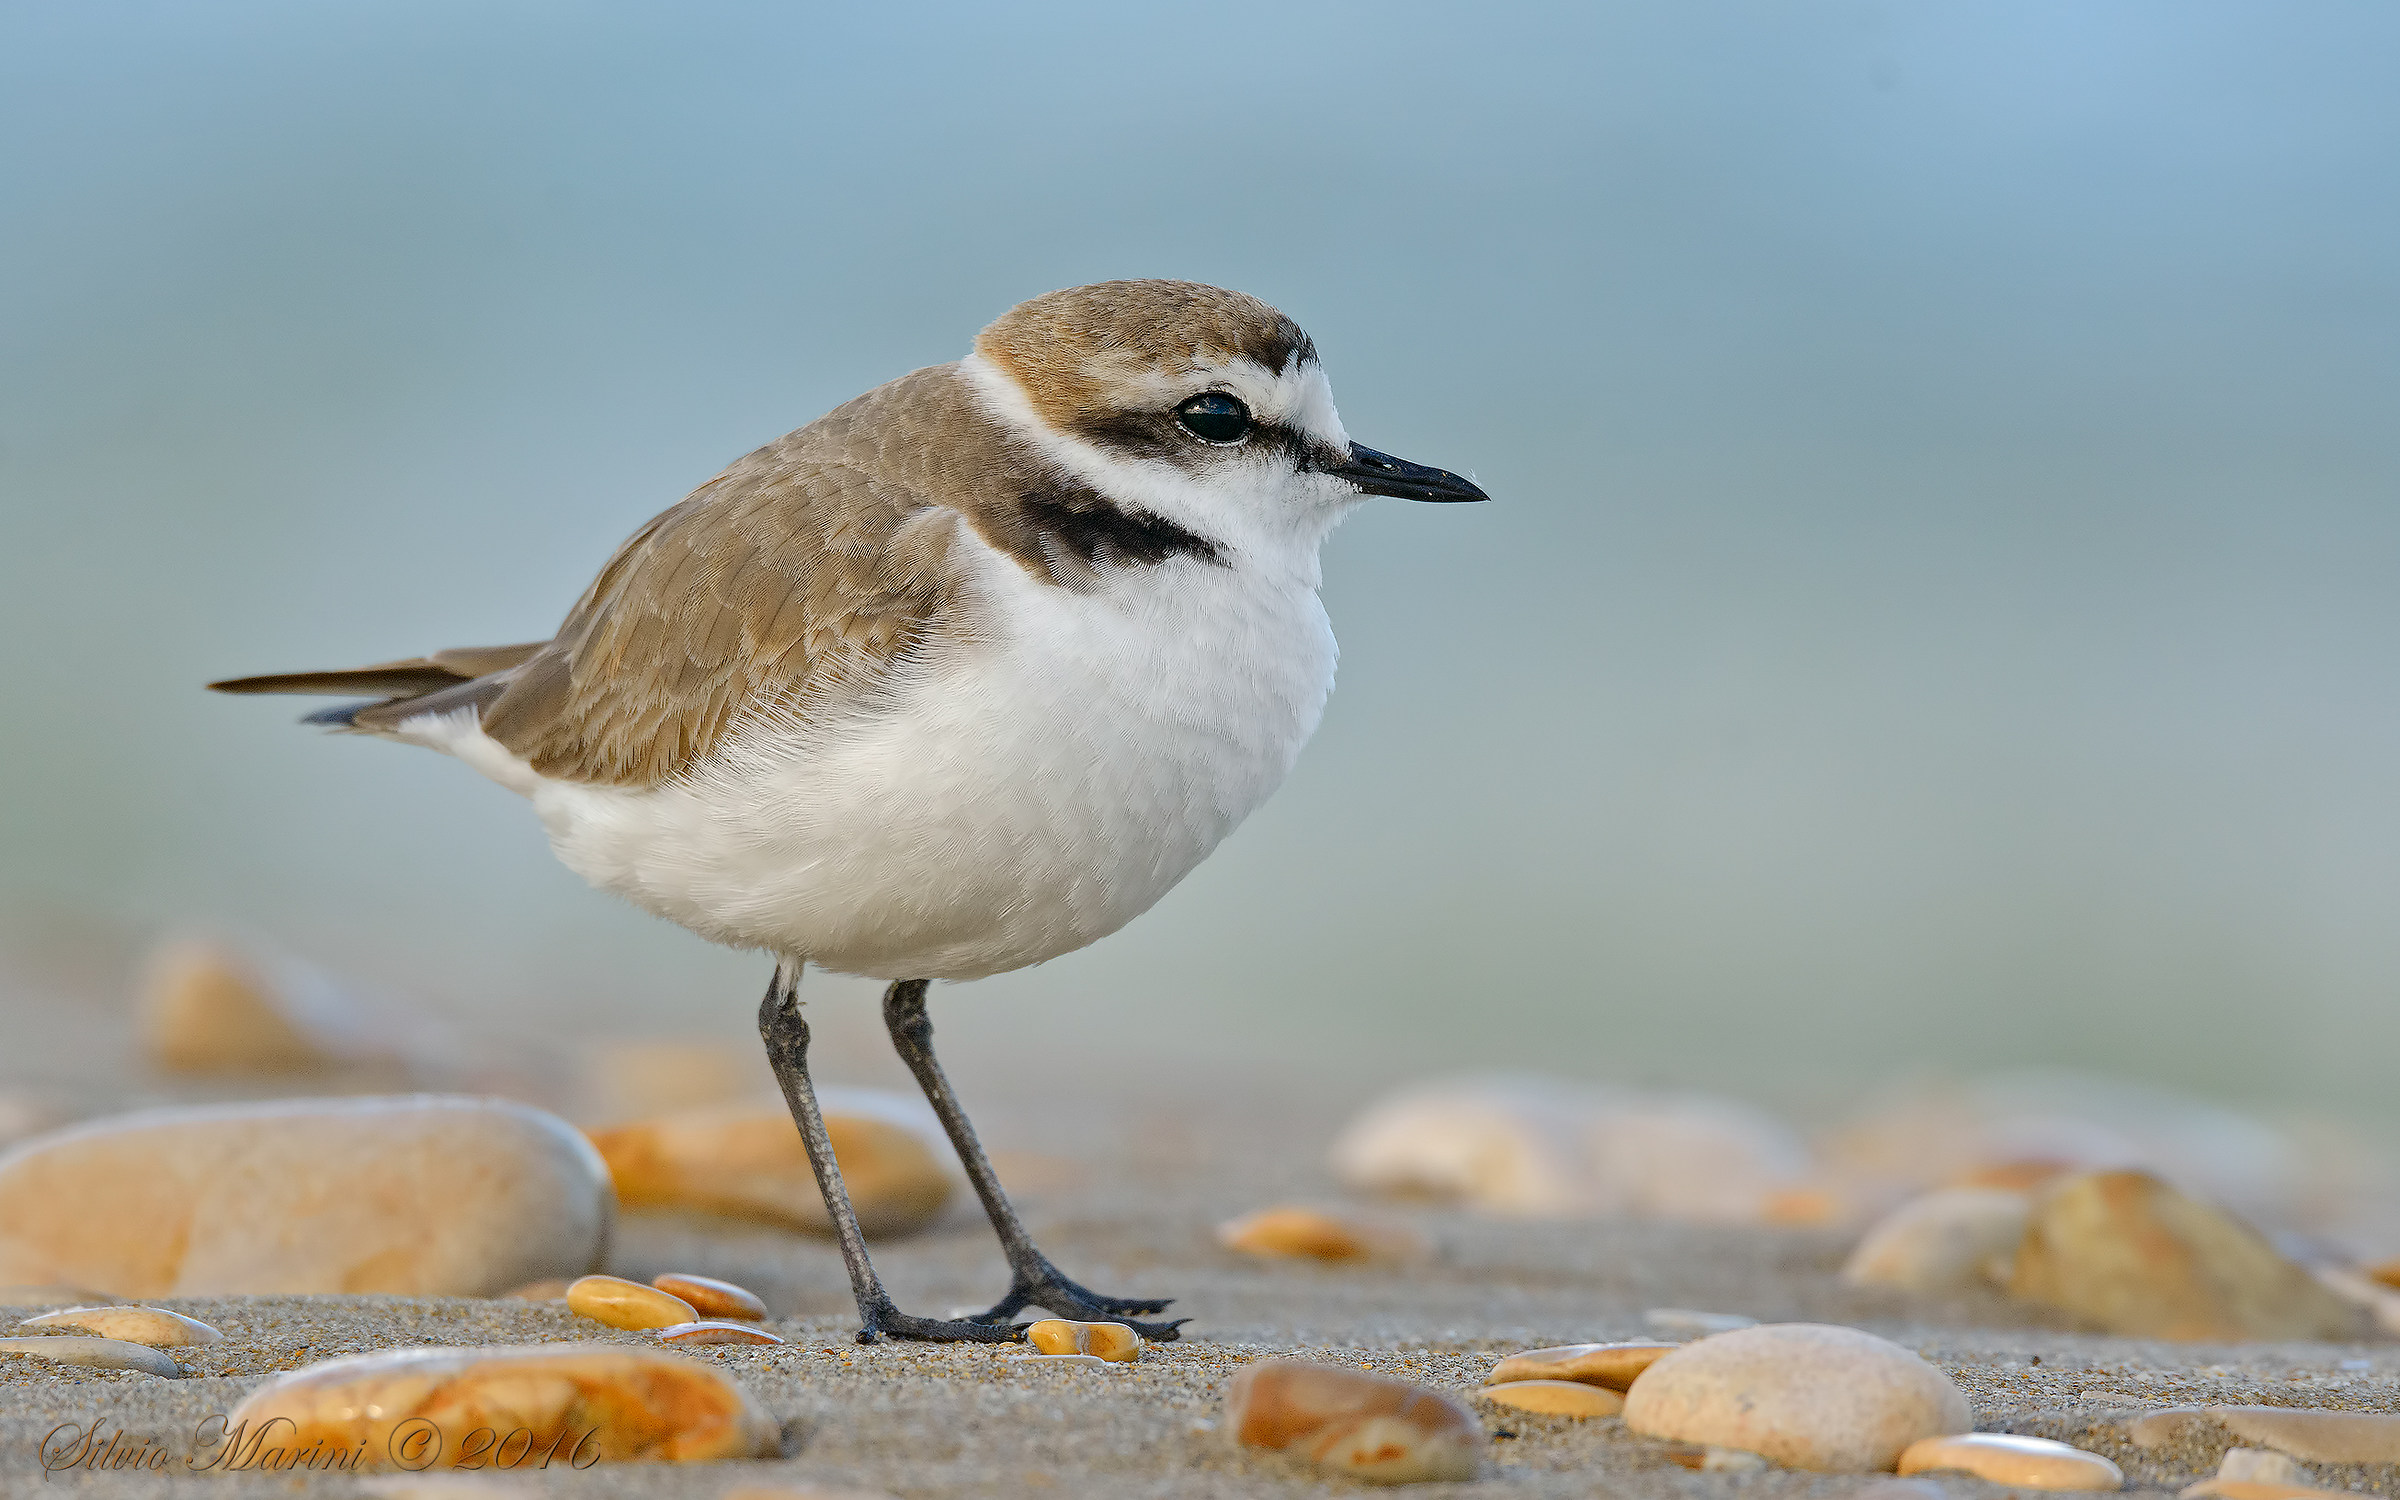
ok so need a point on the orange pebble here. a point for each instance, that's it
(710, 1297)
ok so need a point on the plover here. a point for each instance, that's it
(959, 677)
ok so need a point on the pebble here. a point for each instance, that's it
(1347, 1422)
(2254, 1489)
(443, 1487)
(619, 1402)
(2126, 1251)
(1610, 1365)
(1942, 1242)
(208, 1009)
(1685, 1322)
(1109, 1341)
(1709, 1460)
(627, 1304)
(2260, 1465)
(155, 1326)
(712, 1298)
(2030, 1463)
(716, 1331)
(1312, 1234)
(746, 1161)
(1804, 1395)
(1548, 1148)
(425, 1195)
(2317, 1437)
(1557, 1398)
(94, 1353)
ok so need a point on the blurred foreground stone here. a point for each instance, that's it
(420, 1194)
(1804, 1395)
(584, 1403)
(1546, 1148)
(746, 1161)
(2133, 1255)
(1360, 1426)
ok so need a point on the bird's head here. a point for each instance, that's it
(1203, 405)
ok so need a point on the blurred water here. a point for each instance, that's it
(1940, 603)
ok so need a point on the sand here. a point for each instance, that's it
(1124, 1197)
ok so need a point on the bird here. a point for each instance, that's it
(961, 676)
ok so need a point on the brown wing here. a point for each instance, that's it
(795, 579)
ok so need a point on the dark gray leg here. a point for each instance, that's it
(1033, 1281)
(786, 1035)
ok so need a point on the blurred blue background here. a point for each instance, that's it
(1940, 604)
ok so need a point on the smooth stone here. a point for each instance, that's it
(746, 1161)
(2317, 1437)
(2252, 1489)
(2126, 1251)
(716, 1331)
(623, 1402)
(206, 1008)
(1549, 1148)
(1557, 1398)
(2261, 1466)
(1109, 1341)
(1942, 1242)
(712, 1298)
(1347, 1422)
(627, 1304)
(1898, 1489)
(1614, 1366)
(2031, 1463)
(1312, 1234)
(2168, 1427)
(443, 1487)
(1706, 1459)
(94, 1353)
(1685, 1322)
(423, 1195)
(1804, 1395)
(155, 1326)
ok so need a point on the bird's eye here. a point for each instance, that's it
(1214, 417)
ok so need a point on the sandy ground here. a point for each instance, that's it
(1126, 1200)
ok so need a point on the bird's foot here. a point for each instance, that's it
(889, 1322)
(1045, 1287)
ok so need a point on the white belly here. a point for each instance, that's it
(1023, 796)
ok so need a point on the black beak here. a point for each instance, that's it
(1381, 474)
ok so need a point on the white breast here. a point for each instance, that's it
(1022, 795)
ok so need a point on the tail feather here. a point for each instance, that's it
(435, 682)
